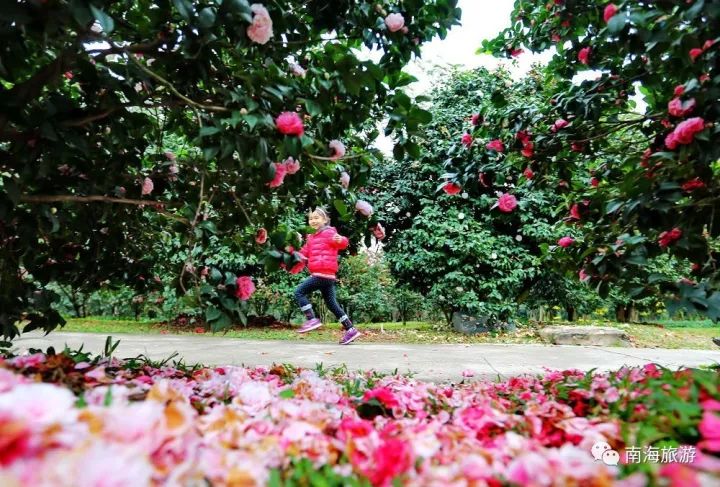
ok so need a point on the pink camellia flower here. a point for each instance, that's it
(289, 123)
(678, 108)
(693, 184)
(584, 55)
(528, 173)
(566, 242)
(338, 149)
(577, 147)
(506, 203)
(291, 165)
(68, 75)
(679, 90)
(496, 145)
(685, 132)
(584, 276)
(516, 52)
(669, 237)
(476, 119)
(594, 182)
(451, 188)
(695, 52)
(261, 236)
(260, 31)
(609, 12)
(559, 124)
(244, 287)
(555, 37)
(280, 172)
(467, 139)
(173, 169)
(364, 208)
(147, 186)
(170, 156)
(297, 70)
(379, 232)
(703, 78)
(468, 373)
(680, 474)
(395, 22)
(345, 180)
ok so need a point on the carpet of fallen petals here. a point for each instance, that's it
(70, 419)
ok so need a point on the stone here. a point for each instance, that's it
(471, 325)
(585, 335)
(468, 324)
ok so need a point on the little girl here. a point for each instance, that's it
(321, 253)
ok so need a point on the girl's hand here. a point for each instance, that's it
(337, 238)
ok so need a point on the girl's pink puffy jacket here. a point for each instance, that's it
(322, 253)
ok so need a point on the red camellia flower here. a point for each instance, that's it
(695, 52)
(583, 275)
(289, 123)
(577, 147)
(451, 188)
(261, 236)
(685, 132)
(609, 12)
(594, 182)
(584, 55)
(383, 395)
(516, 52)
(679, 90)
(393, 457)
(555, 37)
(696, 267)
(693, 184)
(523, 136)
(496, 145)
(559, 124)
(528, 173)
(703, 78)
(297, 268)
(476, 119)
(575, 211)
(528, 150)
(507, 203)
(669, 237)
(678, 108)
(68, 75)
(566, 242)
(467, 139)
(244, 287)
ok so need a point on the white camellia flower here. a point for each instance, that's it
(493, 256)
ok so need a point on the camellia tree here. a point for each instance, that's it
(641, 183)
(263, 94)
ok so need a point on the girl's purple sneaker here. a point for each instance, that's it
(349, 336)
(310, 325)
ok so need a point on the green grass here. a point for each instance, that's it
(666, 334)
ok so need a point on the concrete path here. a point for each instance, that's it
(429, 362)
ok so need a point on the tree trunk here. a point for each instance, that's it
(571, 313)
(621, 313)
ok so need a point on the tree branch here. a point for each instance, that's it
(68, 198)
(171, 87)
(322, 158)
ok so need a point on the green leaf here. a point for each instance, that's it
(341, 207)
(617, 23)
(106, 22)
(184, 8)
(207, 17)
(313, 108)
(212, 313)
(287, 394)
(209, 130)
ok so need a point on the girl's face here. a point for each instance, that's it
(316, 220)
